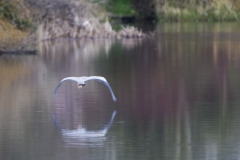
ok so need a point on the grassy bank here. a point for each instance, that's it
(177, 10)
(16, 13)
(215, 10)
(10, 34)
(15, 23)
(121, 7)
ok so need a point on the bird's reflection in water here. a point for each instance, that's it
(82, 136)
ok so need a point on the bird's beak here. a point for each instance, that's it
(79, 86)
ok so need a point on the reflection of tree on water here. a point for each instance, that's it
(188, 109)
(82, 135)
(191, 82)
(80, 50)
(79, 57)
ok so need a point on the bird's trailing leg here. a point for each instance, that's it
(80, 85)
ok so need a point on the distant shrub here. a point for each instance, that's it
(8, 10)
(16, 13)
(217, 10)
(121, 7)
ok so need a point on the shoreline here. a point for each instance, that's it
(64, 19)
(48, 20)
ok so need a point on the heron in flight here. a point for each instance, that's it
(81, 81)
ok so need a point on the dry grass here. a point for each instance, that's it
(15, 23)
(10, 35)
(217, 10)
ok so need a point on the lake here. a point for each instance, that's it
(178, 97)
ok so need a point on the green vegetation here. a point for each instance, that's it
(121, 7)
(216, 10)
(177, 10)
(16, 16)
(16, 13)
(15, 23)
(198, 10)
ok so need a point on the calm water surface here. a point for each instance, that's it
(178, 98)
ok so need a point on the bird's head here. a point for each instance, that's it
(80, 85)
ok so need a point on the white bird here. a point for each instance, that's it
(81, 81)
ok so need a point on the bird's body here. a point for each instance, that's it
(81, 81)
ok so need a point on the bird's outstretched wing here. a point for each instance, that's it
(65, 79)
(104, 81)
